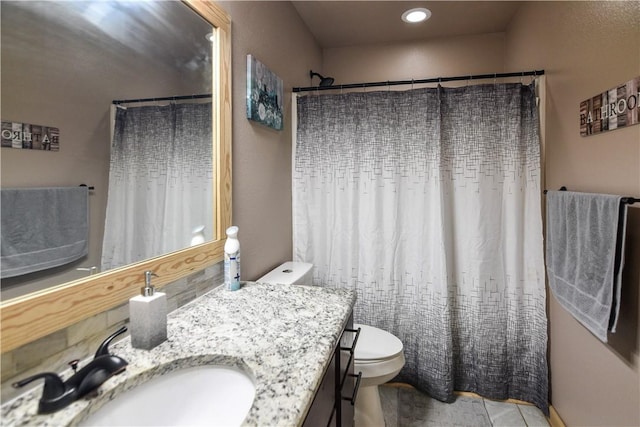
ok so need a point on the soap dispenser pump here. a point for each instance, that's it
(148, 316)
(148, 290)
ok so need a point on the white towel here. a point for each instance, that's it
(42, 228)
(583, 231)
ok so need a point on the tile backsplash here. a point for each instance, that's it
(53, 352)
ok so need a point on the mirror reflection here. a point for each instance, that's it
(148, 159)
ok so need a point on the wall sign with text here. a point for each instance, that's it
(613, 109)
(30, 137)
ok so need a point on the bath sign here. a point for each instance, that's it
(30, 137)
(613, 109)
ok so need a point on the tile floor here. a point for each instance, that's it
(404, 406)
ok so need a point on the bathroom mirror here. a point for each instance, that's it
(41, 312)
(63, 62)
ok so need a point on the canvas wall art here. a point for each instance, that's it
(264, 94)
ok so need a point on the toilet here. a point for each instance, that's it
(378, 354)
(380, 358)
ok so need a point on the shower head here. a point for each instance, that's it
(324, 81)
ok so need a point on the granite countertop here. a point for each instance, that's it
(282, 336)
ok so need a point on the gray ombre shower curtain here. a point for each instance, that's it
(160, 181)
(427, 203)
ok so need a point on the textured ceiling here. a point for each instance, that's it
(166, 33)
(350, 23)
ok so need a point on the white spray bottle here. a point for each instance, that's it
(232, 260)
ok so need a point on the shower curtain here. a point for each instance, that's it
(160, 181)
(427, 203)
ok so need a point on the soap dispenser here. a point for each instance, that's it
(148, 316)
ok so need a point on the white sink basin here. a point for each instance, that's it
(210, 395)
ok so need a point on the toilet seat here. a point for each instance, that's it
(378, 355)
(375, 345)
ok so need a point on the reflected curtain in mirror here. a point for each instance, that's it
(160, 181)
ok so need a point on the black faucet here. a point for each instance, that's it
(58, 394)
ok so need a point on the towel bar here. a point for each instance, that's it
(626, 200)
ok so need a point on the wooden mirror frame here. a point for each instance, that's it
(25, 319)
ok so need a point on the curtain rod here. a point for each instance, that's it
(534, 73)
(627, 200)
(166, 98)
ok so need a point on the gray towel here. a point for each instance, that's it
(42, 228)
(583, 231)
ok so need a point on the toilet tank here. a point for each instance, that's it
(299, 273)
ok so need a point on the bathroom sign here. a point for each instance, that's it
(613, 109)
(30, 137)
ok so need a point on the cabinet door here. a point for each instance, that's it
(332, 405)
(323, 405)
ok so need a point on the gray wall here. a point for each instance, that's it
(274, 34)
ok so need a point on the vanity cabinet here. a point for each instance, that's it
(333, 404)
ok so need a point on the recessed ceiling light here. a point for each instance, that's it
(416, 15)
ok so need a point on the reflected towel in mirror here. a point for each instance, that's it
(42, 228)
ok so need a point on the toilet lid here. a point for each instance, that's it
(375, 344)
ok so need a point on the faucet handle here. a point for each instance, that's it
(53, 385)
(103, 350)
